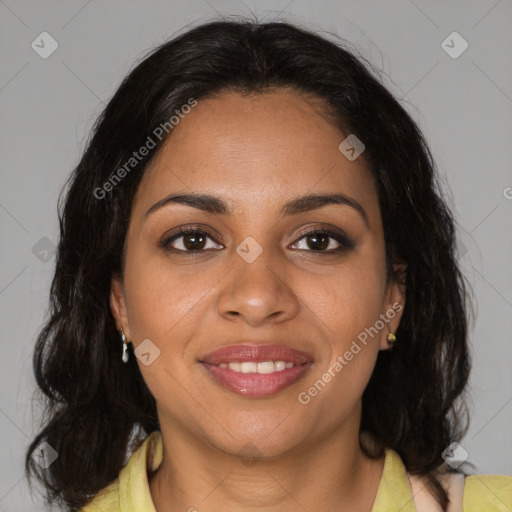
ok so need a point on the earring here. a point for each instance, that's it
(125, 355)
(391, 337)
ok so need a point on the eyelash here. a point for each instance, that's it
(345, 242)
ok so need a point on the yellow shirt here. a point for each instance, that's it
(130, 491)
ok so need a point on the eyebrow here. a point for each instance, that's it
(215, 205)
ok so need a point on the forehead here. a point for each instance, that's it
(258, 150)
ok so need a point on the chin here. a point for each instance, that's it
(256, 439)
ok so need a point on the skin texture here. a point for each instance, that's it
(257, 152)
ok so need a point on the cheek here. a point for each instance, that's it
(349, 300)
(165, 304)
(348, 309)
(163, 299)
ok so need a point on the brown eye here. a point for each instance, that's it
(194, 241)
(190, 240)
(317, 242)
(324, 241)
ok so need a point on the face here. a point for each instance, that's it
(257, 268)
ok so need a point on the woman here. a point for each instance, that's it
(256, 304)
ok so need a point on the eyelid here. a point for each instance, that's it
(194, 228)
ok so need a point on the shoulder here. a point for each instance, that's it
(107, 500)
(492, 493)
(130, 491)
(475, 493)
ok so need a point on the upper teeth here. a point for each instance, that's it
(253, 367)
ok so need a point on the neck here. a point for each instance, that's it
(329, 473)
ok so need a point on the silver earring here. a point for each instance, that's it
(125, 355)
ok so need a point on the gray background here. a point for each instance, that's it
(464, 106)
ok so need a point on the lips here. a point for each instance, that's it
(221, 365)
(257, 353)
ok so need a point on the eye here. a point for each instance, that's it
(190, 240)
(324, 240)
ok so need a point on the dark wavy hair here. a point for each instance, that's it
(97, 409)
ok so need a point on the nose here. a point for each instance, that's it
(257, 293)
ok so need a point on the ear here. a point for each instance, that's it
(394, 304)
(118, 306)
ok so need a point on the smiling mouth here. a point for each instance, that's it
(262, 367)
(256, 370)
